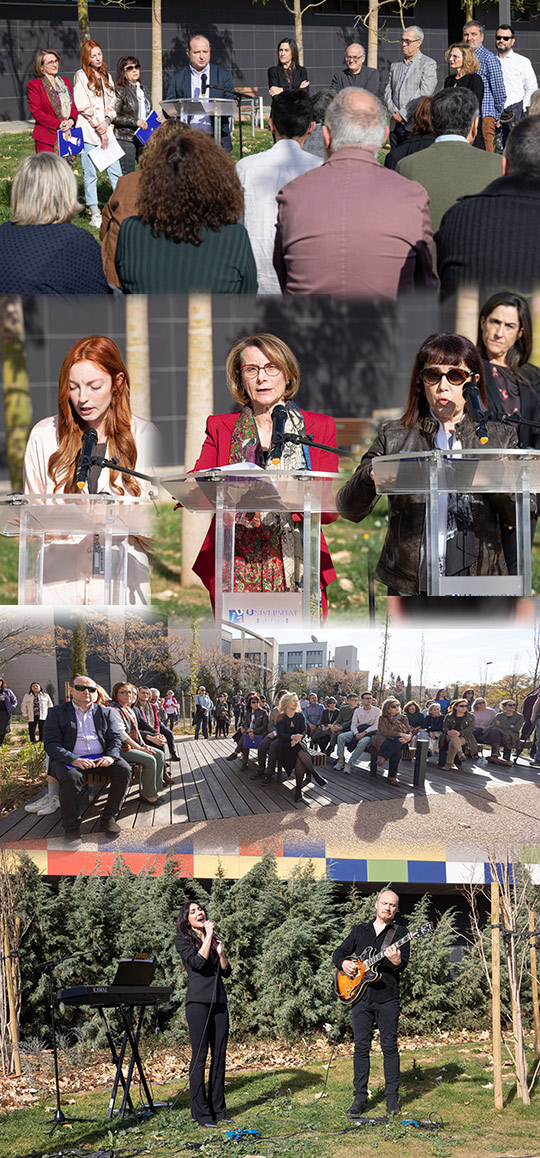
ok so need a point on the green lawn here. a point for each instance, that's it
(15, 146)
(450, 1085)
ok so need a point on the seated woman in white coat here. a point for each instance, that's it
(93, 395)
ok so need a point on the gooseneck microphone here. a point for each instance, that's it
(279, 418)
(204, 82)
(471, 395)
(89, 439)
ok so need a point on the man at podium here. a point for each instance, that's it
(263, 374)
(201, 80)
(437, 416)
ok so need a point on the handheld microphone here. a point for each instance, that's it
(88, 443)
(204, 82)
(279, 418)
(471, 395)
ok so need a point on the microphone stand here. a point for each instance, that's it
(48, 966)
(114, 464)
(235, 96)
(306, 440)
(511, 420)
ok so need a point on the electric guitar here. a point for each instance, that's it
(350, 989)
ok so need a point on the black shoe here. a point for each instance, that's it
(319, 779)
(223, 1118)
(233, 756)
(357, 1108)
(266, 781)
(307, 779)
(392, 1107)
(207, 1122)
(110, 826)
(176, 758)
(297, 796)
(254, 775)
(72, 834)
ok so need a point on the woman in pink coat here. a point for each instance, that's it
(262, 373)
(51, 101)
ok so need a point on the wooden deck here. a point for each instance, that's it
(210, 787)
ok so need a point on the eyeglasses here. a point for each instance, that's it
(84, 688)
(504, 38)
(509, 704)
(409, 39)
(252, 371)
(431, 376)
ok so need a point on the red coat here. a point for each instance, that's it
(215, 452)
(46, 126)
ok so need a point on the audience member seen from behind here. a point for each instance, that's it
(94, 94)
(264, 174)
(436, 416)
(422, 135)
(323, 245)
(41, 251)
(50, 99)
(465, 73)
(314, 143)
(288, 73)
(512, 382)
(132, 108)
(262, 373)
(186, 237)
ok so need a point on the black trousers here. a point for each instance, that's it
(268, 750)
(71, 783)
(169, 738)
(364, 1018)
(32, 725)
(207, 1031)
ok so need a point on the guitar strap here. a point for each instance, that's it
(388, 939)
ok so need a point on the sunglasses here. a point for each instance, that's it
(132, 67)
(84, 688)
(503, 38)
(432, 375)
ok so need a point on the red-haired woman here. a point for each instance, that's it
(93, 393)
(95, 98)
(436, 416)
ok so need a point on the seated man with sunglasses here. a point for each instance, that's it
(437, 416)
(80, 735)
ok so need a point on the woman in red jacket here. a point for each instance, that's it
(262, 373)
(51, 101)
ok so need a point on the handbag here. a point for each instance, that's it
(250, 742)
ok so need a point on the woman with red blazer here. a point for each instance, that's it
(51, 101)
(262, 372)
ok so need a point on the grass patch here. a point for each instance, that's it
(22, 770)
(444, 1083)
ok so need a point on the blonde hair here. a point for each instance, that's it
(273, 349)
(470, 59)
(285, 701)
(40, 57)
(44, 191)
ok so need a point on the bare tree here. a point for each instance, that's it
(23, 637)
(376, 31)
(421, 666)
(384, 654)
(136, 646)
(298, 10)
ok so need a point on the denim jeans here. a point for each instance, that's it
(90, 173)
(343, 739)
(360, 747)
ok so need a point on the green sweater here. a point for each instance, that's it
(148, 263)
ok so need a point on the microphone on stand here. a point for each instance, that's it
(204, 82)
(471, 395)
(89, 439)
(279, 418)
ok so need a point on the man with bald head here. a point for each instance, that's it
(356, 73)
(379, 1004)
(353, 227)
(201, 79)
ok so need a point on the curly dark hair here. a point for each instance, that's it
(187, 182)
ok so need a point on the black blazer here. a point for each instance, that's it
(201, 974)
(180, 86)
(474, 82)
(367, 78)
(278, 79)
(529, 397)
(60, 732)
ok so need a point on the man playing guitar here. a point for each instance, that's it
(379, 1002)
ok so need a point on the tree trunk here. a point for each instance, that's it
(17, 402)
(84, 21)
(373, 35)
(298, 30)
(157, 58)
(496, 996)
(200, 403)
(137, 353)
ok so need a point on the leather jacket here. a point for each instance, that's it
(400, 560)
(127, 111)
(260, 722)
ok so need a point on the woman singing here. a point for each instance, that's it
(205, 961)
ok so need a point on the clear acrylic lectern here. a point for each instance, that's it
(185, 107)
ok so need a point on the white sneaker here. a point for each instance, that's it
(347, 768)
(35, 805)
(48, 806)
(340, 764)
(95, 220)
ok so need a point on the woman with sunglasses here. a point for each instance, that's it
(262, 373)
(458, 732)
(132, 108)
(437, 416)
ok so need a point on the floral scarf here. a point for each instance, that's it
(269, 547)
(60, 99)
